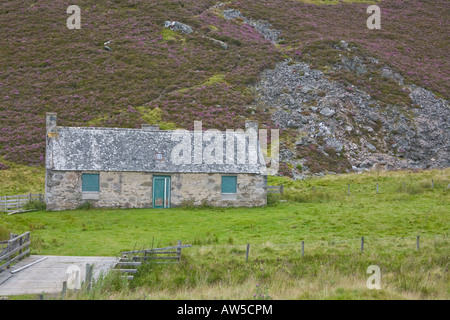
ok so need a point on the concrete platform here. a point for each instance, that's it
(48, 275)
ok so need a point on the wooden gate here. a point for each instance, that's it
(14, 250)
(16, 203)
(159, 255)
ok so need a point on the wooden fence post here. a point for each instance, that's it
(29, 240)
(362, 244)
(86, 277)
(377, 187)
(348, 191)
(8, 249)
(432, 184)
(64, 289)
(248, 249)
(179, 250)
(17, 202)
(89, 269)
(20, 244)
(281, 189)
(417, 242)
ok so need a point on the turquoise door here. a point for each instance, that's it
(161, 192)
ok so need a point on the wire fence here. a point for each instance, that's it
(376, 187)
(309, 247)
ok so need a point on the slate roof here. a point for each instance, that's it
(119, 149)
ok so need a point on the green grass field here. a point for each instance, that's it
(318, 211)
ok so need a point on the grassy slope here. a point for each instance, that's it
(328, 220)
(20, 179)
(326, 214)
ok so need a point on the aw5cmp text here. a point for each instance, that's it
(226, 309)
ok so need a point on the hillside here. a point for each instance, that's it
(346, 98)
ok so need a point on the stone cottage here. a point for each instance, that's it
(152, 168)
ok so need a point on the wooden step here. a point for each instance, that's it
(128, 263)
(126, 270)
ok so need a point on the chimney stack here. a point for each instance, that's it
(52, 129)
(150, 127)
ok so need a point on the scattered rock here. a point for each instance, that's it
(370, 146)
(327, 112)
(106, 45)
(178, 26)
(389, 73)
(262, 26)
(230, 14)
(222, 44)
(344, 44)
(335, 144)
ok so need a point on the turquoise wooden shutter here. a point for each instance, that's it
(229, 184)
(90, 182)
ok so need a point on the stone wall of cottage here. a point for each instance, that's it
(205, 189)
(134, 190)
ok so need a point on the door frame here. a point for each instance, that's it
(167, 193)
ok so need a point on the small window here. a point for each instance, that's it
(159, 157)
(90, 182)
(229, 184)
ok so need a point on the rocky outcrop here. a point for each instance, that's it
(336, 123)
(186, 29)
(262, 26)
(178, 26)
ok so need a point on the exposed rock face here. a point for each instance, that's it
(342, 128)
(350, 124)
(232, 14)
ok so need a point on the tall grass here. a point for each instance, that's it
(4, 233)
(300, 197)
(325, 272)
(318, 211)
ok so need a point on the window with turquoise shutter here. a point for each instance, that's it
(90, 182)
(229, 184)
